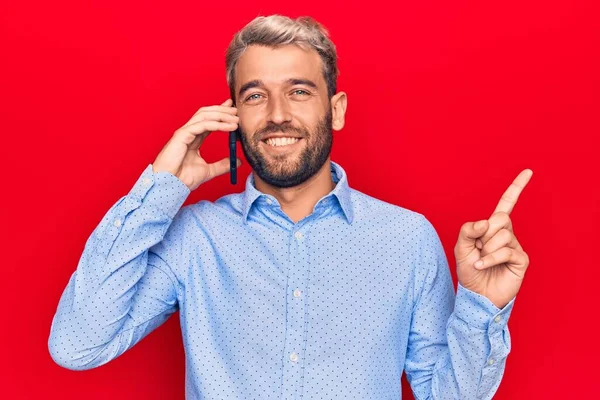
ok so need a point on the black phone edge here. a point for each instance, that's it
(233, 136)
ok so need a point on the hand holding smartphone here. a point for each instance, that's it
(181, 155)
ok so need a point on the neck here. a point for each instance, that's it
(299, 201)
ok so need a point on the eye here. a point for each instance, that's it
(300, 90)
(251, 97)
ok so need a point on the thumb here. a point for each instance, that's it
(469, 233)
(222, 166)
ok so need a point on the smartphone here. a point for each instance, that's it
(233, 138)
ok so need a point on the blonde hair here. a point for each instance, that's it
(278, 30)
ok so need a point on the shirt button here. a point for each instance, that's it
(491, 361)
(269, 201)
(146, 181)
(497, 319)
(117, 222)
(298, 235)
(294, 357)
(297, 293)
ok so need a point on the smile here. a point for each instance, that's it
(281, 142)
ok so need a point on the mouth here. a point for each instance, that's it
(281, 143)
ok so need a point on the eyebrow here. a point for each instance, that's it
(292, 81)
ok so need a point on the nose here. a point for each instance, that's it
(278, 109)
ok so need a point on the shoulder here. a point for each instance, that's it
(195, 226)
(393, 223)
(205, 211)
(370, 209)
(199, 222)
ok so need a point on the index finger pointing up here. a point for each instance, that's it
(510, 197)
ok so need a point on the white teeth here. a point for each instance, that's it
(281, 141)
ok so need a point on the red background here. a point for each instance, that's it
(447, 102)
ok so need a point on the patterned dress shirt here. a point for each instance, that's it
(334, 306)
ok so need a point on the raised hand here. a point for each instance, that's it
(489, 259)
(181, 156)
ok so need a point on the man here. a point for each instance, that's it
(300, 285)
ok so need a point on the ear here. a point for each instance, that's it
(339, 103)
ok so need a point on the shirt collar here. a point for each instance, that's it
(341, 192)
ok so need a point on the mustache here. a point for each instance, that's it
(284, 128)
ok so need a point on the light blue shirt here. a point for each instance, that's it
(334, 306)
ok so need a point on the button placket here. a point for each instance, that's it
(296, 309)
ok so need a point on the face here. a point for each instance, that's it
(285, 113)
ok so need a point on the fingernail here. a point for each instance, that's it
(479, 224)
(478, 264)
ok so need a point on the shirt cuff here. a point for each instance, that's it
(478, 311)
(161, 190)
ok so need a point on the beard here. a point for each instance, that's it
(285, 170)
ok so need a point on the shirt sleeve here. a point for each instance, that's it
(121, 290)
(458, 345)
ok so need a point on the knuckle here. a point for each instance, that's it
(456, 248)
(465, 227)
(505, 234)
(502, 215)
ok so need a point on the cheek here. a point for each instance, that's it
(251, 120)
(247, 131)
(305, 125)
(313, 131)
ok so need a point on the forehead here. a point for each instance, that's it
(274, 65)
